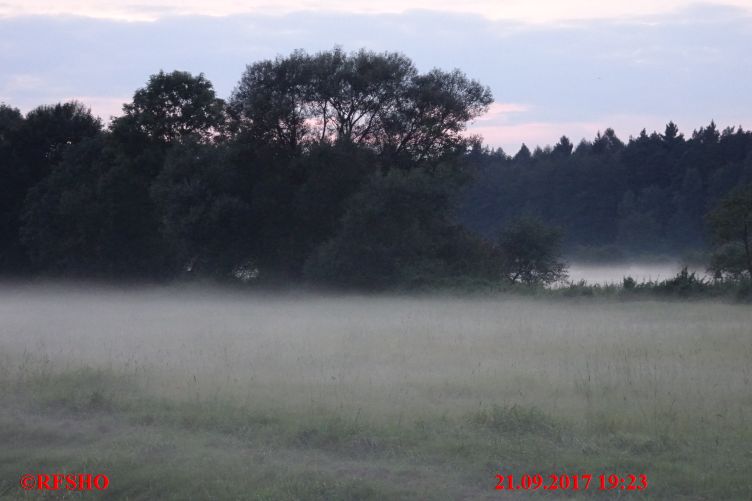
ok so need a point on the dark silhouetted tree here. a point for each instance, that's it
(204, 219)
(396, 231)
(530, 252)
(563, 148)
(92, 216)
(13, 187)
(30, 148)
(374, 100)
(523, 155)
(172, 107)
(731, 223)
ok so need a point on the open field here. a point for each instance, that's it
(214, 394)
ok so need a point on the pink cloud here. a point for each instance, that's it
(105, 107)
(501, 111)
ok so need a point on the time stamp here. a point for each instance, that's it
(564, 482)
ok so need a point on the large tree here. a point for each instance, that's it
(731, 223)
(92, 215)
(48, 131)
(30, 147)
(172, 107)
(206, 223)
(371, 99)
(397, 231)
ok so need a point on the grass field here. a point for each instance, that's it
(213, 394)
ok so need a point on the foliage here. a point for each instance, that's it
(684, 284)
(395, 231)
(12, 188)
(172, 107)
(92, 216)
(370, 99)
(350, 169)
(46, 133)
(201, 211)
(333, 174)
(530, 253)
(731, 223)
(30, 147)
(647, 196)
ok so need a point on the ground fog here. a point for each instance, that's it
(372, 396)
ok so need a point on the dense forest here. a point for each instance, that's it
(646, 197)
(349, 169)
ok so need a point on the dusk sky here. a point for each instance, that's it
(554, 67)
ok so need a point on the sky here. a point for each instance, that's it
(555, 68)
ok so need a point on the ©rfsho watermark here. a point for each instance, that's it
(64, 482)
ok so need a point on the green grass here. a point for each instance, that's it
(177, 395)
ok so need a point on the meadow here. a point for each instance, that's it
(209, 393)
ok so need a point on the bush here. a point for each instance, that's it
(629, 283)
(684, 284)
(530, 253)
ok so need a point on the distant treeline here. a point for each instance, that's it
(337, 168)
(648, 196)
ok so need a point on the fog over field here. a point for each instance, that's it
(614, 273)
(388, 355)
(343, 250)
(431, 396)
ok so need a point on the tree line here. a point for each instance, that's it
(646, 197)
(346, 169)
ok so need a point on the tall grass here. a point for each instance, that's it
(578, 383)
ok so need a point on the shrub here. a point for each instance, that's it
(683, 284)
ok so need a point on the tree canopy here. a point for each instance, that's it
(347, 169)
(530, 252)
(731, 223)
(375, 100)
(172, 107)
(644, 197)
